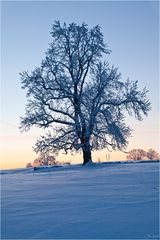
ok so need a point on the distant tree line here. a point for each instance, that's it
(140, 154)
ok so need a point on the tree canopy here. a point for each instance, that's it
(152, 154)
(79, 98)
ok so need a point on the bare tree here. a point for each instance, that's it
(79, 99)
(152, 154)
(45, 160)
(136, 154)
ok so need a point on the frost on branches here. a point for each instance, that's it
(80, 99)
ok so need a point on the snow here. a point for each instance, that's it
(102, 201)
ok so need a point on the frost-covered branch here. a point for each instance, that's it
(79, 99)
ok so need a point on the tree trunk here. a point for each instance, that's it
(87, 156)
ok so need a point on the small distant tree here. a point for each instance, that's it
(152, 154)
(136, 154)
(28, 165)
(77, 97)
(45, 161)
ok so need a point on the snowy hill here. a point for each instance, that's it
(104, 201)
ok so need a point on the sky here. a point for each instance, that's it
(131, 31)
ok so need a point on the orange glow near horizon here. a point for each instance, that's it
(17, 150)
(19, 160)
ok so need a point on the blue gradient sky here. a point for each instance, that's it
(130, 30)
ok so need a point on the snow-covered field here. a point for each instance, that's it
(105, 201)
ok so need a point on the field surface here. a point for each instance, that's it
(105, 201)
